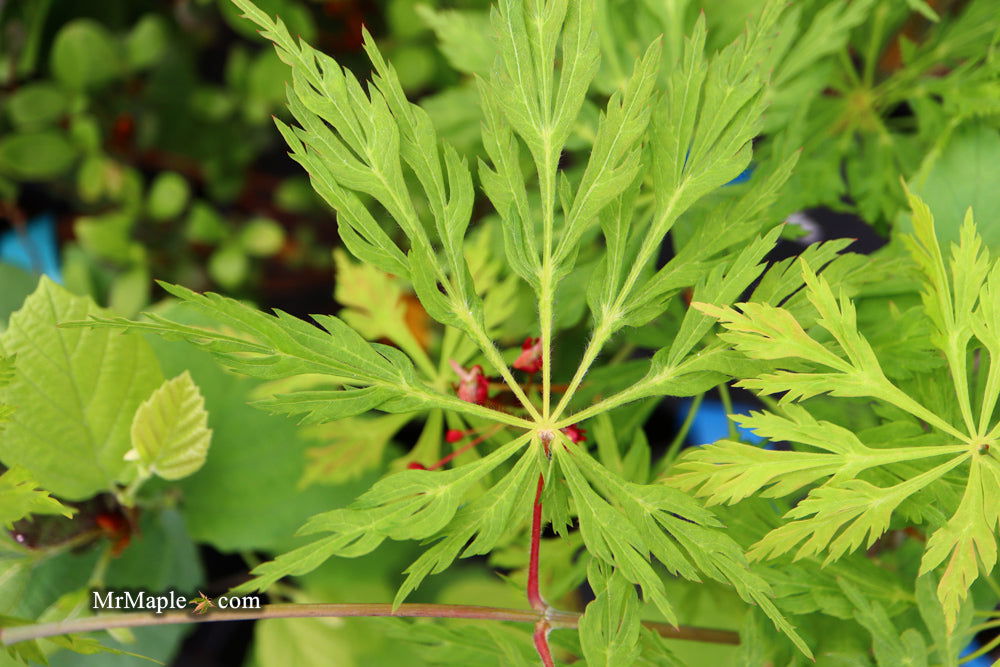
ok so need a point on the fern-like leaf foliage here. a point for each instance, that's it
(855, 488)
(404, 202)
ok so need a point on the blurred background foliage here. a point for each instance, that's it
(136, 143)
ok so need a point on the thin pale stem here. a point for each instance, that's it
(556, 619)
(959, 375)
(727, 407)
(682, 433)
(633, 393)
(545, 317)
(127, 496)
(594, 348)
(990, 393)
(494, 357)
(458, 405)
(981, 651)
(604, 331)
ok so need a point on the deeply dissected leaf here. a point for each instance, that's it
(609, 629)
(374, 376)
(852, 508)
(355, 445)
(413, 504)
(665, 140)
(19, 498)
(624, 524)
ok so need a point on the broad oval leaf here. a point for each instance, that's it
(73, 394)
(170, 434)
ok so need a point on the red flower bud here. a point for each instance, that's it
(472, 385)
(413, 465)
(454, 435)
(575, 433)
(530, 359)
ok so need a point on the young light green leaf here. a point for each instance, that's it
(73, 394)
(463, 37)
(170, 434)
(374, 306)
(968, 540)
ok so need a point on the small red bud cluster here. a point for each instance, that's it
(472, 384)
(575, 433)
(530, 359)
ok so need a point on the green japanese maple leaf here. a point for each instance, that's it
(849, 505)
(404, 202)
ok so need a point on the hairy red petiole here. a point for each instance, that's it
(541, 635)
(541, 639)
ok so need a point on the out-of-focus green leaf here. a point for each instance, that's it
(309, 642)
(148, 41)
(168, 195)
(262, 237)
(85, 55)
(964, 175)
(36, 104)
(35, 155)
(107, 236)
(464, 37)
(204, 224)
(17, 284)
(228, 266)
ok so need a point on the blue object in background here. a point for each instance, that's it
(41, 236)
(710, 425)
(981, 661)
(743, 177)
